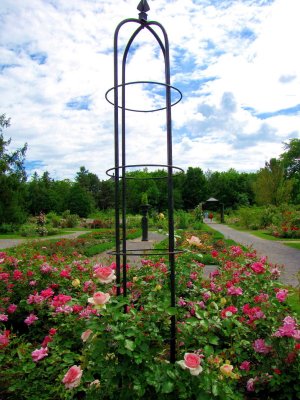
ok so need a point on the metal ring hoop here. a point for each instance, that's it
(144, 252)
(141, 82)
(142, 165)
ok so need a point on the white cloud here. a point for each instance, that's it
(233, 60)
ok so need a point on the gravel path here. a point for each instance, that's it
(276, 252)
(7, 243)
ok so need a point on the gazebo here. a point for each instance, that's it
(216, 203)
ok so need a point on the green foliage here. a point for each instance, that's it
(194, 188)
(270, 186)
(69, 220)
(7, 228)
(12, 179)
(79, 201)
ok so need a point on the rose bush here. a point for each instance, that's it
(64, 329)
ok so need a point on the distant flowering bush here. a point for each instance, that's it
(64, 329)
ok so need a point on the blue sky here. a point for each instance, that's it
(235, 61)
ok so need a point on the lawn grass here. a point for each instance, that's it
(294, 245)
(64, 231)
(293, 299)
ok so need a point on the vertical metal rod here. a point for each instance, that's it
(124, 230)
(117, 172)
(170, 202)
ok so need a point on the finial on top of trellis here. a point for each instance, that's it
(143, 7)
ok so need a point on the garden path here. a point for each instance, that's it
(276, 252)
(134, 244)
(7, 243)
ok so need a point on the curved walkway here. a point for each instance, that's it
(7, 243)
(276, 252)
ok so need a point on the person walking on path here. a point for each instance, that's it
(276, 252)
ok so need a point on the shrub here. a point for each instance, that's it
(28, 230)
(7, 228)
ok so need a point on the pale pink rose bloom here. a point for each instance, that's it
(260, 346)
(251, 385)
(105, 274)
(86, 334)
(39, 354)
(289, 329)
(275, 272)
(30, 319)
(3, 317)
(191, 362)
(226, 369)
(194, 241)
(72, 377)
(281, 295)
(99, 299)
(235, 291)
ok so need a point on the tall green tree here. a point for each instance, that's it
(271, 185)
(79, 201)
(42, 195)
(194, 188)
(12, 179)
(291, 163)
(91, 184)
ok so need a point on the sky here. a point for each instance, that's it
(236, 63)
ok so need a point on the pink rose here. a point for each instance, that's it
(260, 346)
(281, 295)
(3, 317)
(4, 339)
(191, 362)
(234, 291)
(72, 377)
(39, 354)
(11, 308)
(30, 319)
(86, 334)
(251, 384)
(258, 268)
(105, 274)
(245, 366)
(99, 299)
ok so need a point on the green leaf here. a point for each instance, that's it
(215, 390)
(209, 350)
(129, 345)
(212, 339)
(119, 337)
(167, 387)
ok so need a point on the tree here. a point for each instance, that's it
(91, 184)
(231, 187)
(194, 188)
(271, 186)
(79, 201)
(12, 179)
(42, 195)
(291, 163)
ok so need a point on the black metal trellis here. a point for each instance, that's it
(118, 172)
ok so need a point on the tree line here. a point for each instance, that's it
(276, 183)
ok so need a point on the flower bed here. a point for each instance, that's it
(63, 329)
